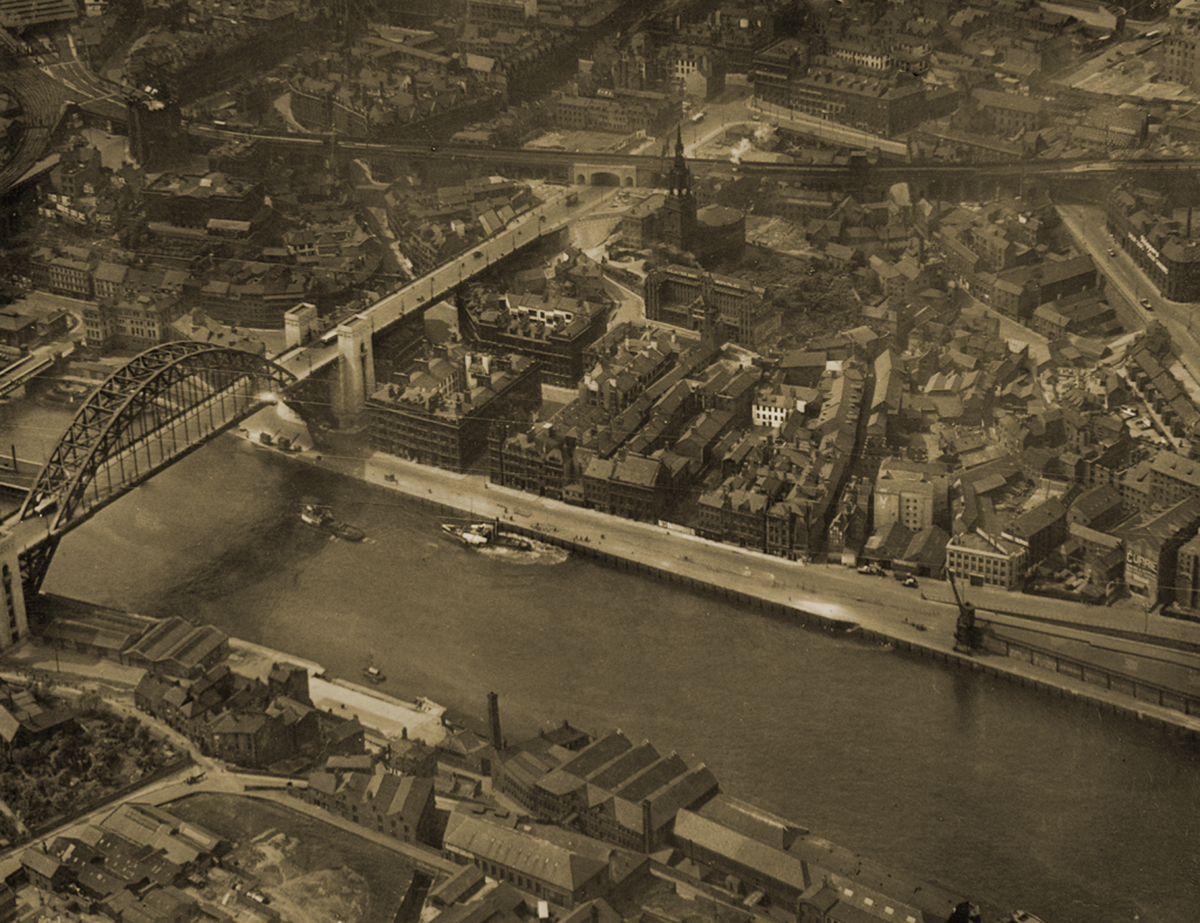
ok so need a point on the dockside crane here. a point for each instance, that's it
(965, 633)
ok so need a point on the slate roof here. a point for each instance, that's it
(752, 821)
(522, 852)
(775, 864)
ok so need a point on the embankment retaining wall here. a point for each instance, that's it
(999, 670)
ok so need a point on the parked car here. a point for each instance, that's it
(1146, 304)
(909, 582)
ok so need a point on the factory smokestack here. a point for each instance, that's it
(494, 721)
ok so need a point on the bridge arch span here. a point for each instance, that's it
(158, 407)
(605, 174)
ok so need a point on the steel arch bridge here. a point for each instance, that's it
(158, 407)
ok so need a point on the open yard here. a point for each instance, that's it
(311, 871)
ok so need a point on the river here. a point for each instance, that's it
(1013, 798)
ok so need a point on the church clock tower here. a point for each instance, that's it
(678, 216)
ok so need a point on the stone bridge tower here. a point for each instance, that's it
(355, 380)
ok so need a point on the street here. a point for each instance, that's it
(1088, 225)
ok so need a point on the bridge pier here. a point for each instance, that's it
(15, 627)
(355, 378)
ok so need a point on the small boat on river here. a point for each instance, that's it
(372, 672)
(314, 514)
(487, 535)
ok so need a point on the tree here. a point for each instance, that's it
(90, 703)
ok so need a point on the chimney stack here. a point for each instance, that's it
(494, 721)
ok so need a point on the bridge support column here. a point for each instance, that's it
(14, 622)
(355, 380)
(300, 323)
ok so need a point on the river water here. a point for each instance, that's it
(1012, 798)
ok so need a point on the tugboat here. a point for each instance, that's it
(487, 535)
(314, 514)
(372, 672)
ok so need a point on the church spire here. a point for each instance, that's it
(680, 179)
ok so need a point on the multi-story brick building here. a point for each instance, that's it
(535, 460)
(857, 52)
(627, 111)
(1009, 112)
(914, 494)
(1166, 251)
(996, 252)
(776, 67)
(1187, 576)
(974, 557)
(1173, 478)
(443, 414)
(1181, 61)
(698, 70)
(64, 271)
(134, 323)
(1016, 292)
(635, 488)
(77, 173)
(192, 200)
(396, 805)
(108, 279)
(501, 12)
(639, 225)
(555, 331)
(1040, 530)
(683, 296)
(882, 103)
(1152, 541)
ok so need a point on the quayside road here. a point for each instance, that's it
(836, 596)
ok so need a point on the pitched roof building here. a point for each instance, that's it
(564, 875)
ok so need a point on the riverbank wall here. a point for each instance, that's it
(824, 597)
(1050, 685)
(707, 588)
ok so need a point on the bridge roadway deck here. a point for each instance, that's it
(134, 463)
(548, 218)
(21, 371)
